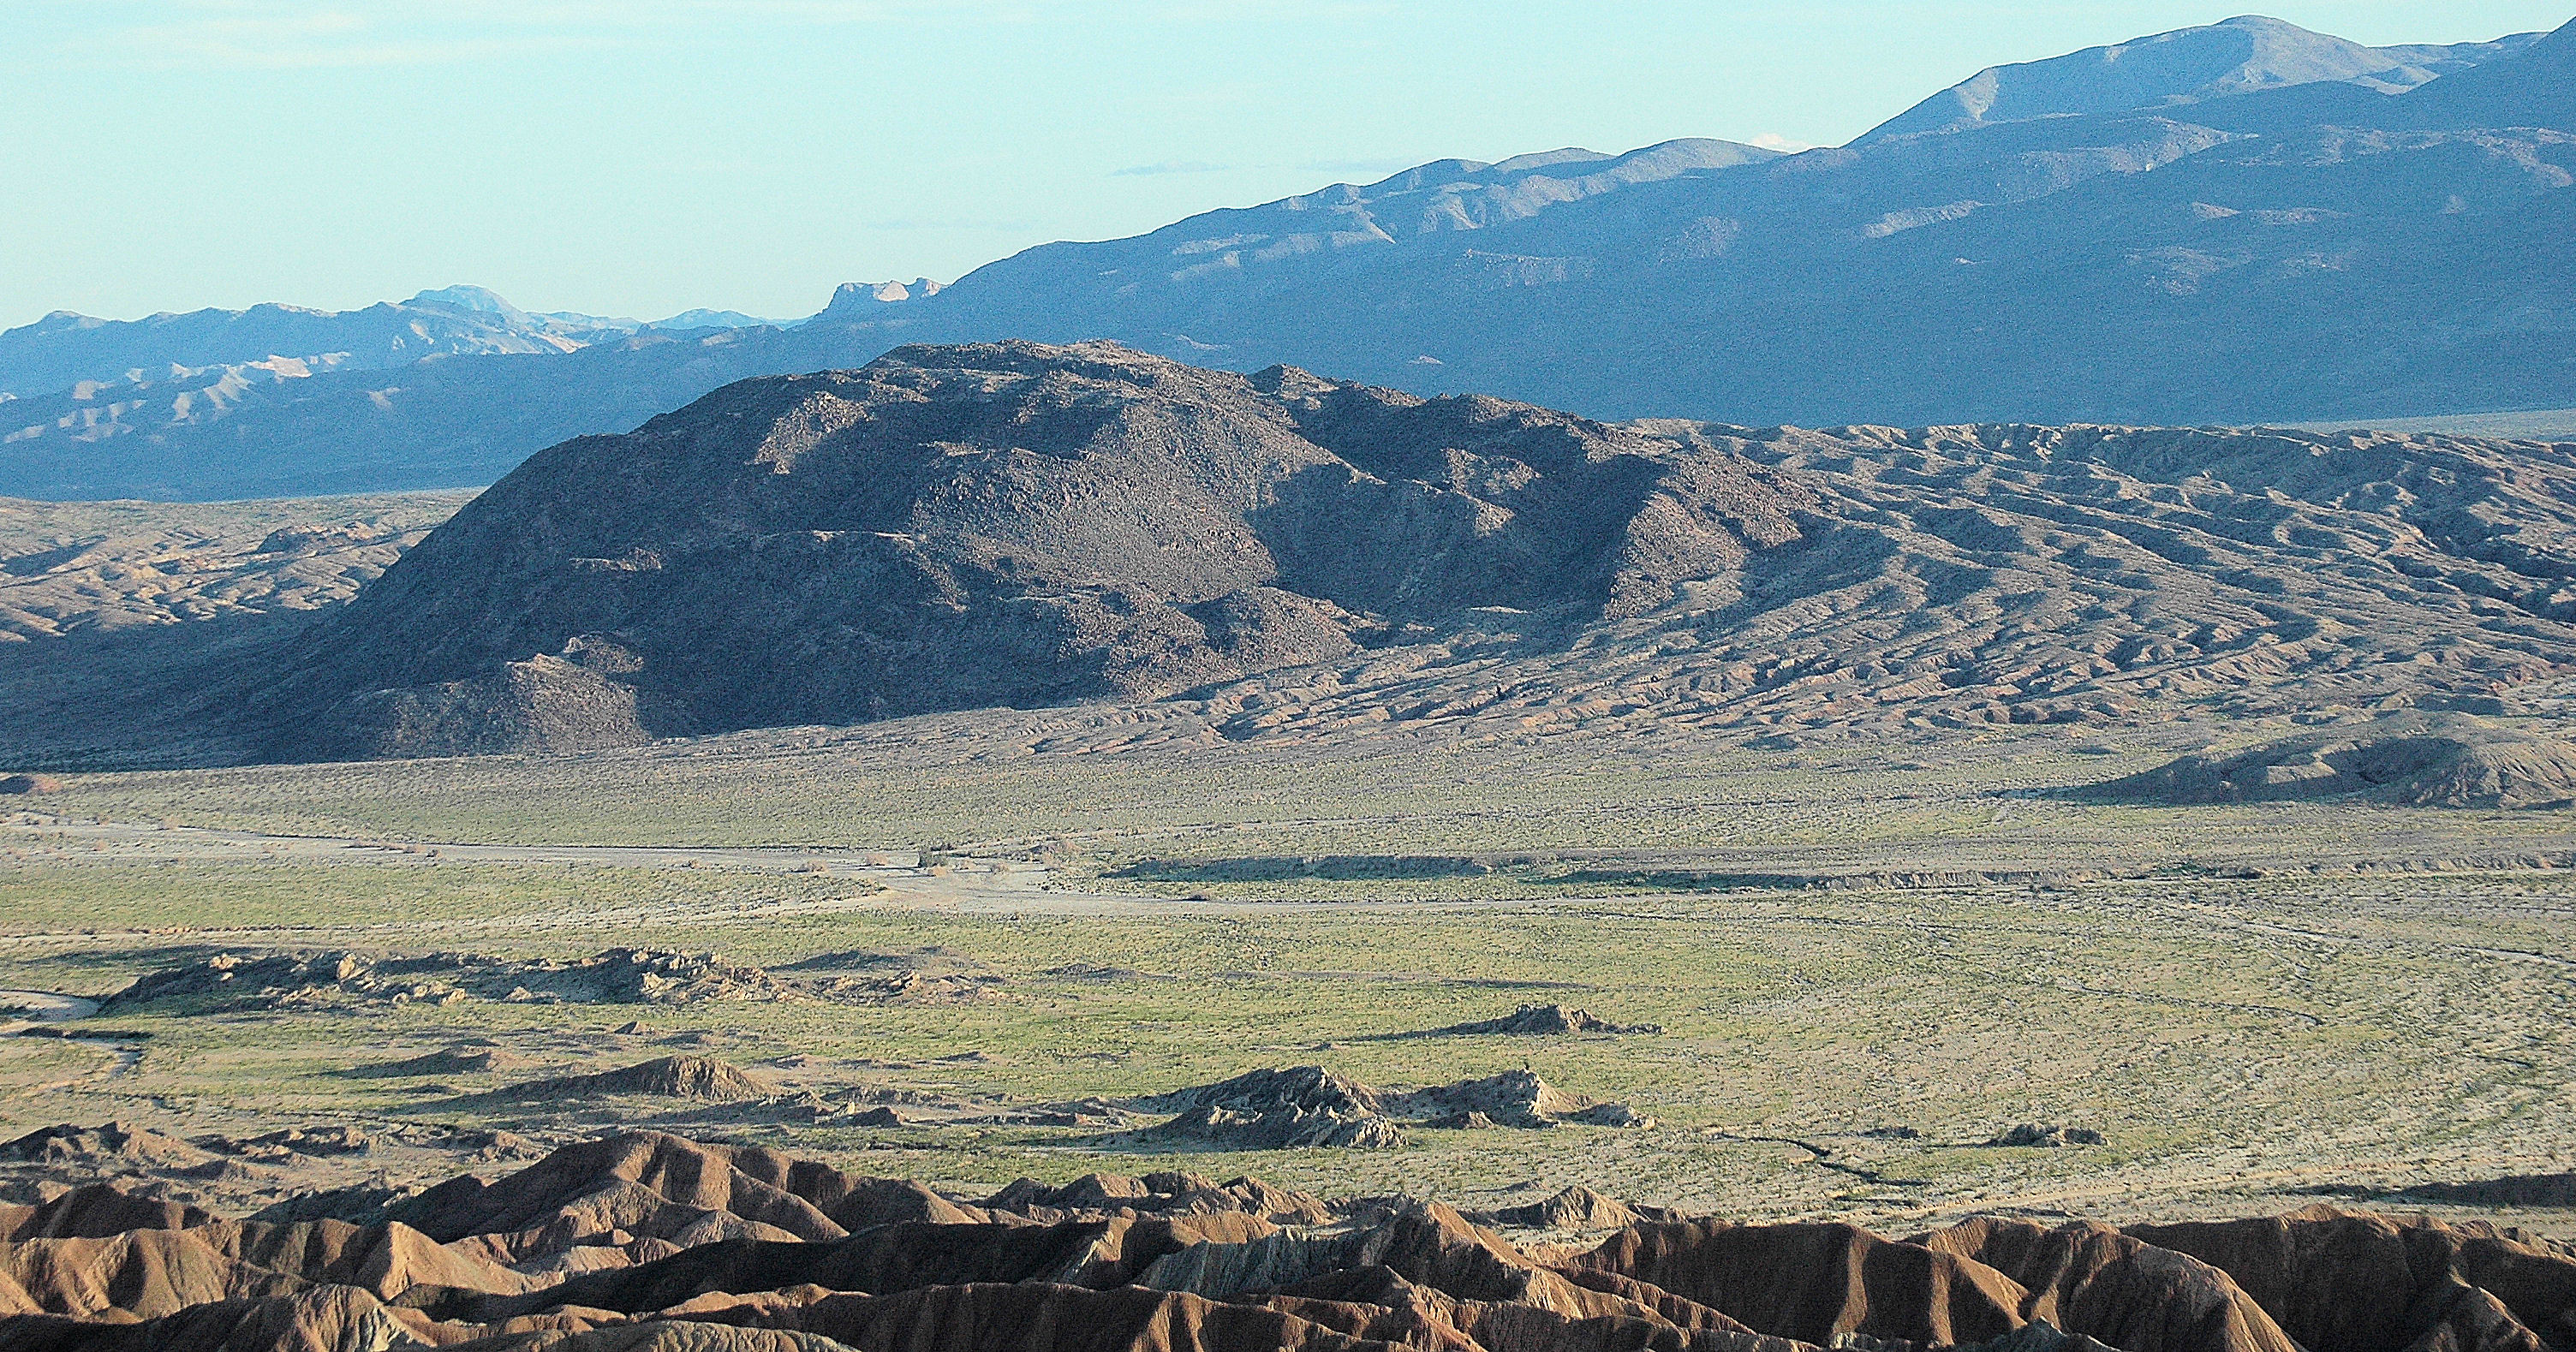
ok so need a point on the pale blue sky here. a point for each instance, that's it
(642, 157)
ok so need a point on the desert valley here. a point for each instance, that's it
(1097, 808)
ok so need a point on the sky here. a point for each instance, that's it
(643, 157)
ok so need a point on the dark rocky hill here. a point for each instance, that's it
(1015, 524)
(1006, 524)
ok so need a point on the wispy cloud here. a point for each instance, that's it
(302, 34)
(221, 34)
(286, 34)
(956, 225)
(1169, 167)
(1380, 166)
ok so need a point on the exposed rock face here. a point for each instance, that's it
(95, 1211)
(2439, 761)
(2076, 574)
(108, 1142)
(2339, 1281)
(1515, 1098)
(1279, 1109)
(1177, 1192)
(650, 1186)
(234, 981)
(1003, 524)
(544, 704)
(1575, 1208)
(681, 1077)
(1542, 1021)
(70, 568)
(2173, 70)
(2031, 1133)
(1312, 1106)
(650, 1243)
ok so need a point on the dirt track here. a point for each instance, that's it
(964, 884)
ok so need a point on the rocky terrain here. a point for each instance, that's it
(646, 1241)
(258, 981)
(1010, 524)
(1312, 1106)
(63, 351)
(1023, 525)
(2436, 761)
(1542, 1021)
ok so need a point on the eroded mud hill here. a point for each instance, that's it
(647, 1241)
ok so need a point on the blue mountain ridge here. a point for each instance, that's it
(2240, 223)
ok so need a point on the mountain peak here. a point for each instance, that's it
(2242, 55)
(854, 300)
(470, 299)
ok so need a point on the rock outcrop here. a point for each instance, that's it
(696, 1078)
(1312, 1106)
(1278, 1109)
(2441, 760)
(284, 980)
(1541, 1021)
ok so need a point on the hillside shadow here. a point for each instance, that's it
(150, 697)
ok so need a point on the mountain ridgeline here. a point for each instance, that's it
(2240, 223)
(1014, 524)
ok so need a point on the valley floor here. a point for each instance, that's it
(1867, 963)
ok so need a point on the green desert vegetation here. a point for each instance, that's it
(1859, 985)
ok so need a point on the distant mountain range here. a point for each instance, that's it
(64, 350)
(2238, 223)
(2241, 56)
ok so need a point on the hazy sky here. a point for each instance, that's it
(641, 157)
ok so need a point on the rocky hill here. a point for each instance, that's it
(1015, 524)
(2438, 760)
(1011, 524)
(2240, 223)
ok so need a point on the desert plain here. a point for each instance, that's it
(1863, 973)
